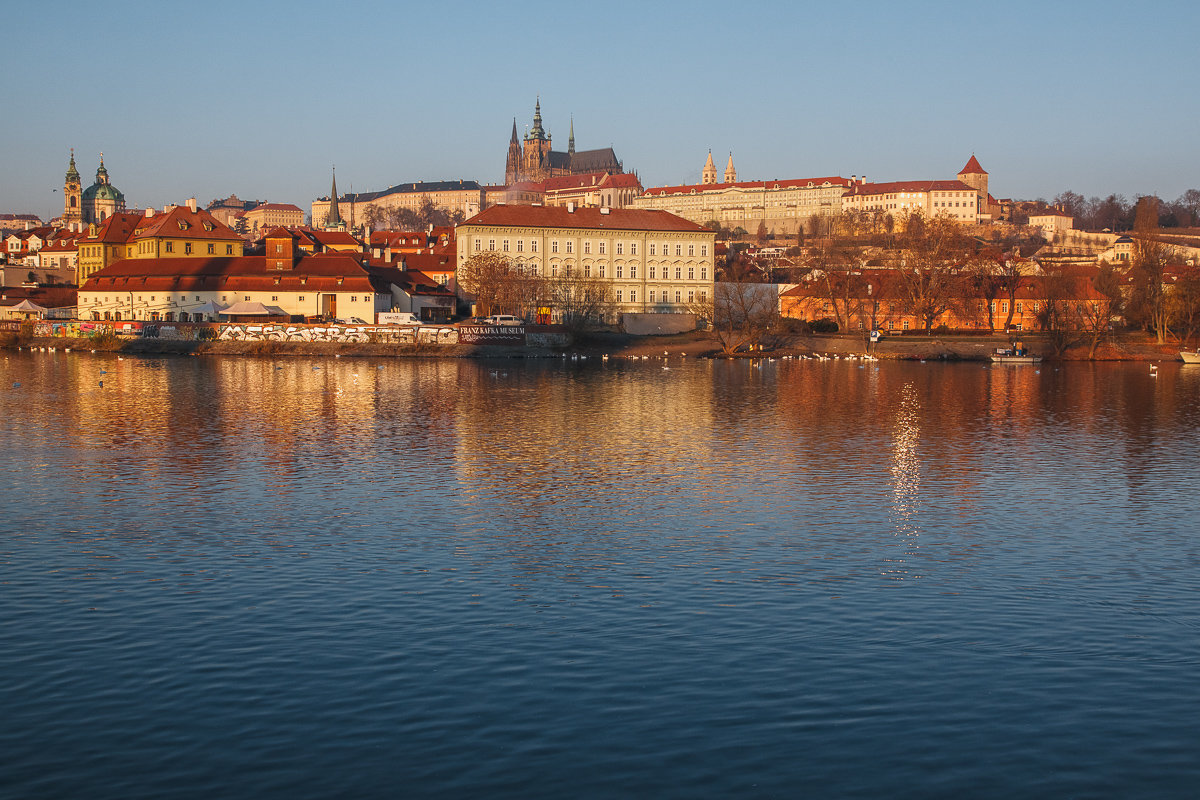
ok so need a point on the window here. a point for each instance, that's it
(491, 244)
(478, 245)
(691, 273)
(620, 271)
(633, 270)
(905, 325)
(533, 246)
(651, 248)
(678, 249)
(170, 247)
(554, 246)
(652, 273)
(691, 249)
(275, 298)
(651, 296)
(554, 270)
(211, 248)
(619, 297)
(691, 297)
(1004, 306)
(633, 295)
(504, 245)
(587, 248)
(301, 298)
(602, 250)
(587, 270)
(704, 273)
(602, 271)
(703, 296)
(1018, 306)
(679, 273)
(570, 246)
(620, 248)
(703, 249)
(632, 249)
(678, 297)
(520, 245)
(228, 249)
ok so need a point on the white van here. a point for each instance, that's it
(503, 319)
(397, 318)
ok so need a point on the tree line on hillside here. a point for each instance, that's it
(378, 217)
(1118, 214)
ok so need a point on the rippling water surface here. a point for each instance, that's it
(348, 577)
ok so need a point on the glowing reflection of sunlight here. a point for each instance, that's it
(906, 467)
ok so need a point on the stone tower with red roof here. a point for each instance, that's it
(976, 177)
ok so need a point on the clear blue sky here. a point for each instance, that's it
(260, 98)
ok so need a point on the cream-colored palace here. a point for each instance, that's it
(654, 261)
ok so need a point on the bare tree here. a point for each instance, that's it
(1148, 300)
(1059, 314)
(934, 256)
(1184, 304)
(1105, 303)
(486, 277)
(580, 301)
(741, 313)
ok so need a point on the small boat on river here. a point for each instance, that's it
(1190, 356)
(1014, 356)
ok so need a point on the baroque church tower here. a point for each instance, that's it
(708, 176)
(73, 198)
(730, 172)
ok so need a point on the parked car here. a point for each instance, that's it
(504, 319)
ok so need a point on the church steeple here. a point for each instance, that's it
(101, 173)
(730, 172)
(536, 132)
(708, 176)
(571, 140)
(333, 219)
(73, 197)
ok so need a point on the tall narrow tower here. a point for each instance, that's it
(512, 165)
(73, 197)
(333, 219)
(536, 161)
(708, 176)
(976, 177)
(730, 172)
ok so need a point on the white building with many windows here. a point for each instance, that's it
(654, 261)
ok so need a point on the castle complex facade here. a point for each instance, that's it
(533, 159)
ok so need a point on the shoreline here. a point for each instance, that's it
(696, 344)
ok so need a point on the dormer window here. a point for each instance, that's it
(182, 225)
(208, 226)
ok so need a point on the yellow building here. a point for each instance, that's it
(106, 243)
(184, 231)
(653, 261)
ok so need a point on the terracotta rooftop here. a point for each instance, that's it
(560, 217)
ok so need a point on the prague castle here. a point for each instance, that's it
(533, 160)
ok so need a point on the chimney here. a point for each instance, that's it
(192, 204)
(864, 180)
(571, 207)
(149, 213)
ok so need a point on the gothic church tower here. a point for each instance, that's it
(730, 172)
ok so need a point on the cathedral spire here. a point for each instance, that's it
(571, 141)
(514, 139)
(536, 132)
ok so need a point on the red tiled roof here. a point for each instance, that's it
(168, 225)
(908, 186)
(560, 217)
(790, 183)
(239, 273)
(117, 229)
(277, 207)
(972, 168)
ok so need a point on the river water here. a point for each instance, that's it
(239, 577)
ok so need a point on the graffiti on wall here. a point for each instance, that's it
(425, 334)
